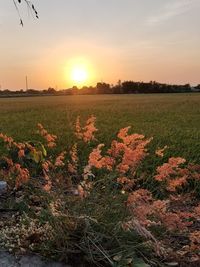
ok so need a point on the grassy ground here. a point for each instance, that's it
(91, 228)
(172, 119)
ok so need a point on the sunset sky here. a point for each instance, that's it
(113, 39)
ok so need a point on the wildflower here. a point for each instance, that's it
(95, 157)
(89, 129)
(9, 162)
(72, 166)
(51, 145)
(160, 151)
(174, 183)
(133, 155)
(195, 240)
(116, 149)
(139, 196)
(46, 166)
(21, 153)
(86, 133)
(129, 139)
(6, 139)
(149, 211)
(50, 138)
(22, 175)
(172, 174)
(87, 172)
(46, 169)
(98, 161)
(47, 187)
(168, 169)
(126, 183)
(60, 160)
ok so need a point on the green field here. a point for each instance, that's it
(172, 119)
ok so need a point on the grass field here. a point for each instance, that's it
(172, 119)
(94, 207)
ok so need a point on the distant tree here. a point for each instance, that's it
(103, 88)
(74, 90)
(187, 87)
(30, 5)
(32, 92)
(129, 87)
(51, 90)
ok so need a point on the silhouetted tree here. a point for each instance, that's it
(129, 87)
(103, 88)
(51, 90)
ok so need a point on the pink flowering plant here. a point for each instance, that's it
(102, 197)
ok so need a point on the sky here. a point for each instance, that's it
(140, 40)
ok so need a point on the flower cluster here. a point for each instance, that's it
(86, 133)
(22, 175)
(50, 138)
(149, 211)
(46, 172)
(130, 152)
(73, 163)
(6, 139)
(98, 161)
(59, 162)
(195, 240)
(126, 183)
(160, 151)
(15, 170)
(172, 174)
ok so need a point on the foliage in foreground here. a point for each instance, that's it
(100, 204)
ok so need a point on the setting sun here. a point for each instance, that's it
(79, 71)
(79, 74)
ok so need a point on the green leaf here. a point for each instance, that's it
(35, 156)
(44, 152)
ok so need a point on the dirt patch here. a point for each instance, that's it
(9, 260)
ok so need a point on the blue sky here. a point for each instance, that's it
(119, 39)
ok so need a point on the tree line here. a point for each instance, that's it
(126, 87)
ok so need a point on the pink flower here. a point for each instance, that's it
(21, 153)
(72, 166)
(160, 151)
(86, 133)
(60, 160)
(50, 138)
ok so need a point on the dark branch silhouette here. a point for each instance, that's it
(31, 7)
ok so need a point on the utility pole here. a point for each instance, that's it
(26, 83)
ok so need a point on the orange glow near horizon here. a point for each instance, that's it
(79, 72)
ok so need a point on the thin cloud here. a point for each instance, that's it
(172, 9)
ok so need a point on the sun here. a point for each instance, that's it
(79, 74)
